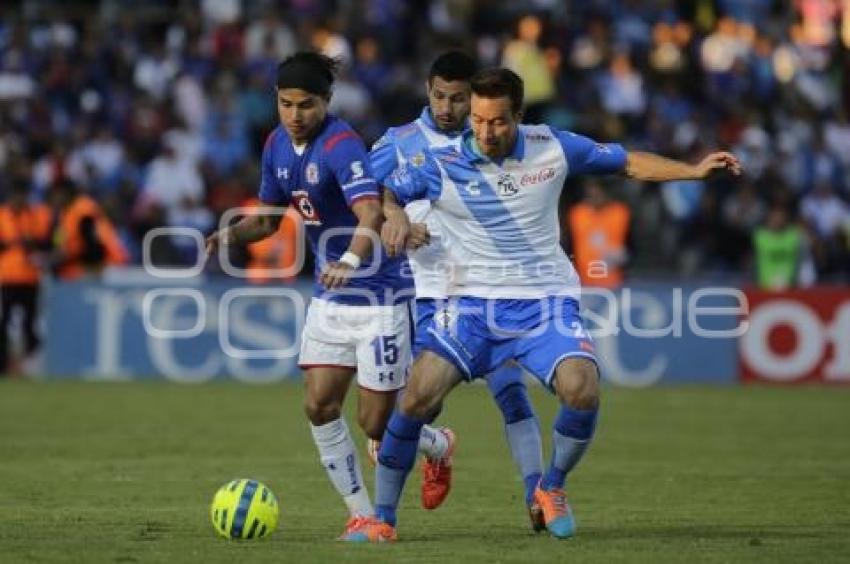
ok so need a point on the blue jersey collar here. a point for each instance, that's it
(470, 148)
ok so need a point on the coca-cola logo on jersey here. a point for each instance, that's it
(543, 175)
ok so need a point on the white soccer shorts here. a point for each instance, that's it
(374, 340)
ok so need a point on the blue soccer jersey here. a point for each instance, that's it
(500, 220)
(406, 145)
(322, 182)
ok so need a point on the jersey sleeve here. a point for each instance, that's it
(383, 158)
(271, 192)
(411, 182)
(586, 156)
(349, 162)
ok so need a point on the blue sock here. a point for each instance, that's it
(571, 436)
(521, 426)
(530, 482)
(395, 459)
(510, 394)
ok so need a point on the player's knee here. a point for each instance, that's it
(419, 405)
(514, 404)
(577, 384)
(321, 412)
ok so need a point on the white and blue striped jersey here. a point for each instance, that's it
(499, 220)
(403, 146)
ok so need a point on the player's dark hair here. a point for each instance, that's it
(499, 82)
(308, 71)
(453, 65)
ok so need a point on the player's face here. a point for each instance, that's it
(301, 113)
(494, 124)
(449, 102)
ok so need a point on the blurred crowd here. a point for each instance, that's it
(156, 114)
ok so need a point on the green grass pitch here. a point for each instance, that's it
(125, 472)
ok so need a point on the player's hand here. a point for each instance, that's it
(419, 236)
(718, 161)
(394, 233)
(215, 240)
(336, 275)
(211, 244)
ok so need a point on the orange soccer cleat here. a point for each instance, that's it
(556, 512)
(437, 474)
(367, 529)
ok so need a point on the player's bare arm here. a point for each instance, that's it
(249, 229)
(369, 220)
(398, 233)
(655, 168)
(396, 228)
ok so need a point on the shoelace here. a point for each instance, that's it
(559, 500)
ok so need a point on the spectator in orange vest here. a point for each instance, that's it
(85, 242)
(24, 236)
(276, 253)
(598, 228)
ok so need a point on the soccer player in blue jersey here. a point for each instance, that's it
(440, 125)
(515, 292)
(358, 321)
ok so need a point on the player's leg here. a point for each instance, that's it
(435, 444)
(522, 430)
(325, 390)
(576, 383)
(328, 354)
(432, 378)
(562, 357)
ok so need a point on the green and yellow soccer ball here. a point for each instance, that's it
(244, 509)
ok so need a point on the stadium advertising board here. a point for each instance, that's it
(184, 334)
(797, 336)
(646, 334)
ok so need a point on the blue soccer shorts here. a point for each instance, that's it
(478, 335)
(424, 309)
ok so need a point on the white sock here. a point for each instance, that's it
(339, 457)
(433, 443)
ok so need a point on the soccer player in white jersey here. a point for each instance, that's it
(440, 125)
(358, 322)
(515, 292)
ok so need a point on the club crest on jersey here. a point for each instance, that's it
(506, 184)
(418, 159)
(312, 173)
